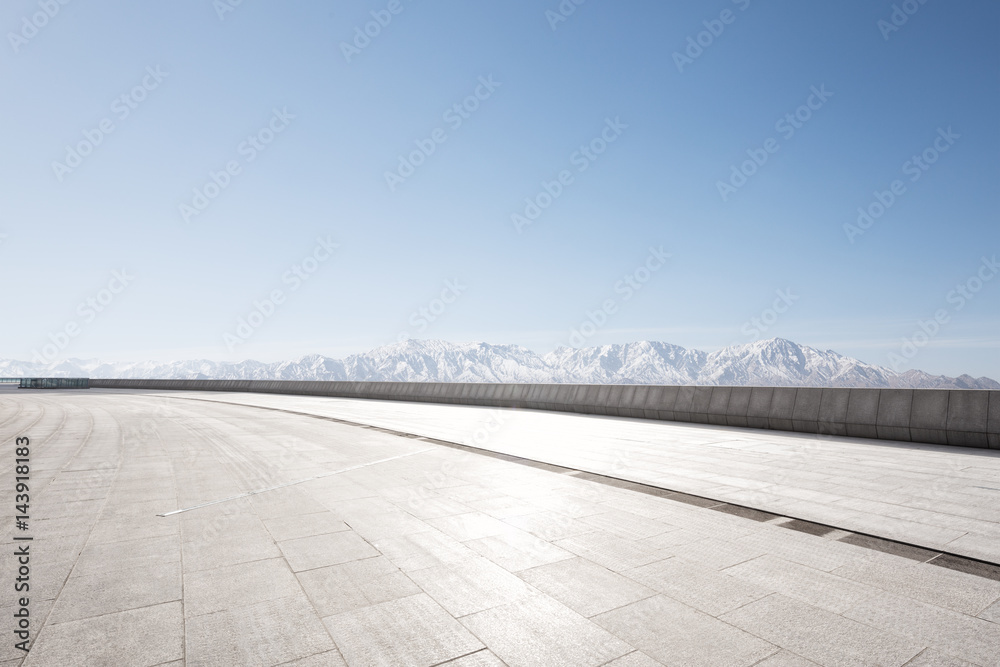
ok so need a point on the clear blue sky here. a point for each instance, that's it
(678, 128)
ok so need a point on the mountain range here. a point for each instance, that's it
(773, 362)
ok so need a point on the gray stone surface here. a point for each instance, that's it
(759, 407)
(385, 562)
(932, 658)
(719, 405)
(516, 634)
(949, 632)
(862, 413)
(683, 403)
(210, 591)
(782, 407)
(585, 587)
(256, 635)
(675, 634)
(470, 585)
(142, 637)
(815, 587)
(805, 414)
(894, 408)
(701, 404)
(968, 413)
(821, 636)
(833, 405)
(946, 588)
(307, 553)
(739, 403)
(697, 586)
(355, 585)
(665, 403)
(993, 423)
(111, 591)
(409, 631)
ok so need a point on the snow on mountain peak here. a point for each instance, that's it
(771, 362)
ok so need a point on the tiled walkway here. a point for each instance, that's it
(941, 498)
(438, 555)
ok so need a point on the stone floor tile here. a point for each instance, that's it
(423, 550)
(470, 585)
(304, 525)
(634, 659)
(675, 634)
(470, 526)
(931, 658)
(940, 586)
(307, 553)
(410, 631)
(822, 636)
(628, 525)
(950, 632)
(785, 659)
(139, 637)
(815, 587)
(703, 588)
(612, 552)
(109, 592)
(537, 630)
(482, 658)
(585, 587)
(715, 553)
(361, 583)
(147, 553)
(210, 591)
(257, 635)
(517, 550)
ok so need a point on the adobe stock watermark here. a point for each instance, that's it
(264, 309)
(424, 316)
(702, 40)
(363, 35)
(958, 297)
(454, 116)
(900, 15)
(223, 7)
(756, 326)
(248, 150)
(121, 108)
(87, 310)
(30, 25)
(627, 287)
(786, 126)
(562, 12)
(582, 158)
(915, 167)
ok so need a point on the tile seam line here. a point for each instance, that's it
(488, 452)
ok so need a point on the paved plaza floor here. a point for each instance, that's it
(181, 528)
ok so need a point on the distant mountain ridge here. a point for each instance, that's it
(773, 362)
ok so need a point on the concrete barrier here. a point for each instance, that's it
(718, 405)
(862, 413)
(739, 403)
(805, 413)
(962, 418)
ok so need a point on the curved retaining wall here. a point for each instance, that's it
(965, 418)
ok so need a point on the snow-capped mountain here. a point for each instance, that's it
(774, 362)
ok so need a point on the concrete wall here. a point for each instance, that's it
(965, 418)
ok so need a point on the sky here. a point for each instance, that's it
(262, 179)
